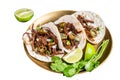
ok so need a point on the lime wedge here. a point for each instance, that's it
(73, 56)
(23, 14)
(90, 51)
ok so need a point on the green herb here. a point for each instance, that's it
(93, 62)
(38, 28)
(68, 42)
(58, 67)
(57, 64)
(50, 40)
(70, 70)
(98, 28)
(48, 52)
(56, 59)
(89, 66)
(80, 66)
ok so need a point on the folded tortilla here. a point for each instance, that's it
(72, 20)
(92, 20)
(28, 43)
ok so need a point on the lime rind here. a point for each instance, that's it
(24, 14)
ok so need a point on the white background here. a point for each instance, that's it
(14, 63)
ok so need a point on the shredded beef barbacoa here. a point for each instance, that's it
(44, 42)
(70, 32)
(88, 29)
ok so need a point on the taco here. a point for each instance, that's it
(71, 31)
(43, 42)
(93, 25)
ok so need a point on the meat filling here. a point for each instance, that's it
(90, 30)
(44, 42)
(68, 35)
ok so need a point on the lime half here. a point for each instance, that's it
(23, 14)
(73, 56)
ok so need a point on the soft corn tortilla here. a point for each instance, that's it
(98, 22)
(77, 25)
(54, 30)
